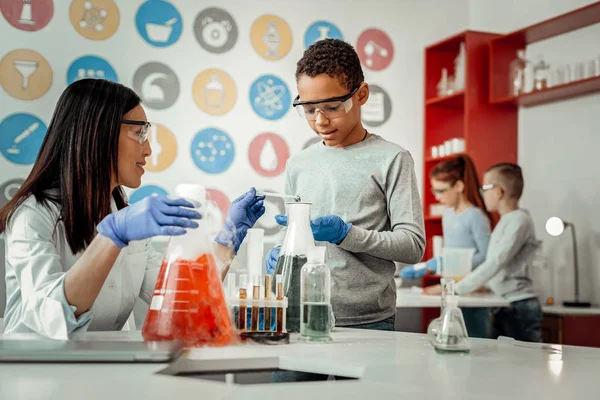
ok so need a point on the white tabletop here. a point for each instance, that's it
(571, 311)
(411, 298)
(389, 364)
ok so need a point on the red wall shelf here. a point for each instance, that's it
(565, 91)
(485, 115)
(503, 50)
(440, 159)
(455, 100)
(489, 131)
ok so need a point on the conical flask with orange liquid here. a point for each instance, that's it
(188, 302)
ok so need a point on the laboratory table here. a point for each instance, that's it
(412, 298)
(388, 364)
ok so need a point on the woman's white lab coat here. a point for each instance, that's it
(37, 257)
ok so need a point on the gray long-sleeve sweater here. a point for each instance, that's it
(371, 185)
(512, 249)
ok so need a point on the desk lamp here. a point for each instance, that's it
(555, 227)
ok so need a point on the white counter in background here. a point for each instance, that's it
(571, 311)
(391, 365)
(410, 298)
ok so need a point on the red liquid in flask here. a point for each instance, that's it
(188, 304)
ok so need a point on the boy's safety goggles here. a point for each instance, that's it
(334, 107)
(487, 187)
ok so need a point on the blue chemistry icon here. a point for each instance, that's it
(159, 23)
(21, 136)
(146, 191)
(213, 150)
(321, 30)
(91, 67)
(270, 97)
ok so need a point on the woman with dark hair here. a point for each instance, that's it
(466, 224)
(62, 277)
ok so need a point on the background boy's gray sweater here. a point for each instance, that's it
(512, 250)
(371, 185)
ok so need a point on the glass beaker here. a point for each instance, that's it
(541, 72)
(457, 262)
(293, 255)
(188, 302)
(451, 335)
(447, 289)
(315, 298)
(591, 70)
(578, 71)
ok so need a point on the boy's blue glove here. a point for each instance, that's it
(152, 216)
(271, 260)
(330, 228)
(419, 270)
(243, 214)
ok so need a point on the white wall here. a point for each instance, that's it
(558, 142)
(410, 23)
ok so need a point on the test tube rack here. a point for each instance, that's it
(270, 318)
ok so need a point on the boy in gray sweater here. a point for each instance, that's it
(366, 204)
(511, 250)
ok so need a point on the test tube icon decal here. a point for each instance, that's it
(22, 136)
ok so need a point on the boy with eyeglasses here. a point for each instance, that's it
(366, 205)
(511, 250)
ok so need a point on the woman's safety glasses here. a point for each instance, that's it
(331, 108)
(142, 135)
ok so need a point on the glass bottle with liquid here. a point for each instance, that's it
(315, 298)
(541, 74)
(451, 335)
(188, 302)
(297, 243)
(447, 289)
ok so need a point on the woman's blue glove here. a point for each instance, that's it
(330, 228)
(271, 260)
(243, 214)
(152, 216)
(419, 270)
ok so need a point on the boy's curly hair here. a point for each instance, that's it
(335, 58)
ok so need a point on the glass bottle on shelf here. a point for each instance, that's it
(541, 72)
(442, 86)
(450, 85)
(459, 68)
(519, 74)
(578, 71)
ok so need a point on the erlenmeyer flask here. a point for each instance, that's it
(296, 244)
(451, 336)
(447, 289)
(188, 302)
